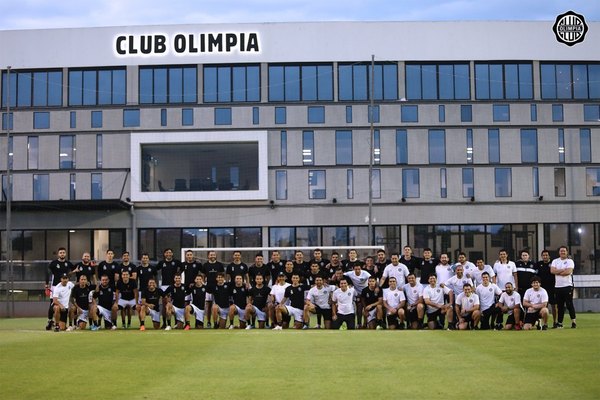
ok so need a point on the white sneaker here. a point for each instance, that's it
(70, 328)
(168, 328)
(249, 327)
(278, 328)
(231, 327)
(113, 328)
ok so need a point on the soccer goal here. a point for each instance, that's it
(224, 254)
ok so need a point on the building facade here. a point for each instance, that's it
(476, 136)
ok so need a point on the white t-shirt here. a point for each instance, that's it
(563, 281)
(412, 293)
(456, 284)
(359, 281)
(400, 272)
(476, 275)
(344, 301)
(510, 301)
(435, 295)
(504, 273)
(63, 293)
(487, 295)
(536, 296)
(468, 268)
(467, 303)
(444, 272)
(278, 291)
(393, 298)
(320, 297)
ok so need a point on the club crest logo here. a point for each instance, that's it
(570, 28)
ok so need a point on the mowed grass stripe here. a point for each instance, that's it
(299, 364)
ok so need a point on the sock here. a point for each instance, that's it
(187, 323)
(169, 322)
(113, 322)
(231, 322)
(142, 323)
(318, 319)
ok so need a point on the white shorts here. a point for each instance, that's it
(164, 287)
(105, 314)
(223, 312)
(139, 301)
(179, 314)
(297, 313)
(198, 313)
(372, 314)
(260, 315)
(83, 316)
(155, 315)
(126, 303)
(209, 297)
(241, 313)
(188, 297)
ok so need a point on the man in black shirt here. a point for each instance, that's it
(80, 300)
(314, 273)
(176, 303)
(295, 294)
(168, 267)
(237, 268)
(300, 265)
(348, 265)
(87, 268)
(146, 271)
(526, 270)
(126, 265)
(548, 281)
(126, 294)
(105, 306)
(381, 262)
(275, 266)
(372, 304)
(239, 297)
(220, 293)
(427, 266)
(56, 269)
(210, 269)
(409, 260)
(318, 259)
(109, 267)
(257, 302)
(258, 268)
(191, 268)
(197, 294)
(151, 300)
(334, 264)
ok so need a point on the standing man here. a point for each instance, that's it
(318, 259)
(146, 271)
(562, 269)
(300, 266)
(443, 271)
(56, 269)
(482, 267)
(395, 269)
(237, 268)
(535, 302)
(342, 306)
(258, 268)
(468, 266)
(87, 268)
(126, 265)
(168, 268)
(334, 265)
(191, 268)
(525, 271)
(409, 260)
(61, 297)
(109, 267)
(352, 260)
(381, 262)
(359, 279)
(506, 270)
(393, 305)
(548, 282)
(275, 266)
(211, 269)
(427, 266)
(458, 281)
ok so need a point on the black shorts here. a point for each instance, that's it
(551, 296)
(468, 317)
(63, 315)
(324, 312)
(530, 318)
(392, 320)
(434, 316)
(510, 320)
(412, 315)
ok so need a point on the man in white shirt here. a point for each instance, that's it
(415, 309)
(317, 302)
(433, 296)
(562, 269)
(467, 308)
(443, 270)
(481, 268)
(395, 269)
(61, 296)
(487, 293)
(277, 294)
(510, 304)
(393, 304)
(468, 266)
(535, 302)
(342, 306)
(458, 281)
(506, 271)
(359, 279)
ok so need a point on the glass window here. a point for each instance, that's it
(187, 116)
(168, 85)
(560, 187)
(32, 88)
(570, 81)
(409, 113)
(301, 82)
(283, 148)
(529, 146)
(437, 81)
(401, 147)
(163, 117)
(376, 184)
(355, 81)
(223, 84)
(316, 184)
(343, 147)
(443, 183)
(11, 153)
(350, 184)
(99, 151)
(442, 113)
(281, 185)
(41, 120)
(501, 112)
(308, 148)
(376, 147)
(493, 146)
(469, 146)
(533, 112)
(73, 119)
(72, 187)
(410, 183)
(468, 182)
(466, 113)
(437, 146)
(348, 114)
(561, 146)
(503, 182)
(96, 119)
(223, 116)
(131, 118)
(503, 81)
(282, 237)
(41, 187)
(67, 151)
(316, 115)
(7, 121)
(280, 115)
(593, 181)
(557, 112)
(96, 186)
(33, 152)
(585, 145)
(374, 112)
(535, 178)
(591, 112)
(255, 116)
(90, 87)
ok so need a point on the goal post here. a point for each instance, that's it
(287, 252)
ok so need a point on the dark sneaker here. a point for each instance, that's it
(49, 325)
(555, 325)
(559, 325)
(544, 327)
(573, 325)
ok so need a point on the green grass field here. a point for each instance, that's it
(556, 364)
